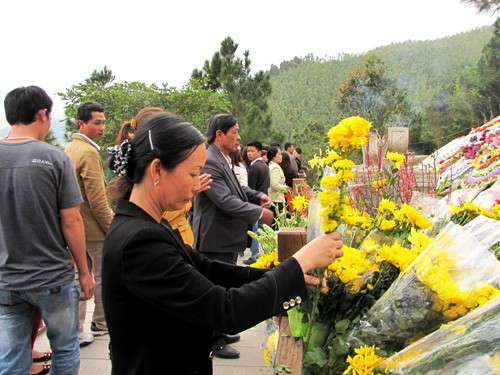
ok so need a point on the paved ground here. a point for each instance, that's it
(95, 360)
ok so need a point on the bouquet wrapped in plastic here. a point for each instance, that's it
(469, 346)
(455, 274)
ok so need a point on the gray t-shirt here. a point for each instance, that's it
(36, 181)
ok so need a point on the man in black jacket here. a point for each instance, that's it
(258, 179)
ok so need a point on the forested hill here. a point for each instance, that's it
(303, 88)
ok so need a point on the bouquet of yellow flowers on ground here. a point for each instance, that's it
(455, 274)
(467, 346)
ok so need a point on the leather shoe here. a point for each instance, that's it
(226, 352)
(249, 261)
(231, 339)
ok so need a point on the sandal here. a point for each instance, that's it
(46, 356)
(45, 370)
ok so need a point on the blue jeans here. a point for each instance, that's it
(59, 308)
(254, 248)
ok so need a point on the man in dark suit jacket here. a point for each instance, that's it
(223, 213)
(258, 179)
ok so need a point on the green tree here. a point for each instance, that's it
(122, 101)
(51, 139)
(476, 95)
(370, 92)
(484, 6)
(248, 95)
(102, 77)
(489, 71)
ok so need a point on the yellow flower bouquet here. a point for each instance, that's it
(468, 345)
(455, 274)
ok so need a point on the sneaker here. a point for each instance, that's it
(98, 331)
(85, 338)
(249, 261)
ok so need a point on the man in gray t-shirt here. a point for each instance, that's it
(41, 235)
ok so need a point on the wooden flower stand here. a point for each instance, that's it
(289, 351)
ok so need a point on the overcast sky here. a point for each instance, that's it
(57, 43)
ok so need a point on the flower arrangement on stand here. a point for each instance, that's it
(294, 213)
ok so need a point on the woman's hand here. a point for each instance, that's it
(205, 181)
(320, 252)
(313, 281)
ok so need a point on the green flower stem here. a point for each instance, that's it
(319, 272)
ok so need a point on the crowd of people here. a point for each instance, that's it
(155, 241)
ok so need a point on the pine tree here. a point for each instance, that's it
(247, 94)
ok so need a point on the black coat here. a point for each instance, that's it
(258, 176)
(223, 214)
(162, 299)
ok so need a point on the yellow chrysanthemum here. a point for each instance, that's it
(329, 225)
(351, 267)
(481, 295)
(329, 198)
(269, 260)
(396, 157)
(364, 362)
(349, 134)
(352, 216)
(369, 246)
(345, 175)
(387, 224)
(331, 157)
(377, 184)
(419, 240)
(299, 202)
(449, 298)
(387, 205)
(397, 255)
(346, 164)
(411, 216)
(330, 182)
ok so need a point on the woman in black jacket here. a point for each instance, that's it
(156, 288)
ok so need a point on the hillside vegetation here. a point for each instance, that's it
(302, 102)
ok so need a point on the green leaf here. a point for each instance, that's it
(342, 326)
(285, 368)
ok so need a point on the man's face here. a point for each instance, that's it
(253, 153)
(230, 141)
(291, 149)
(94, 128)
